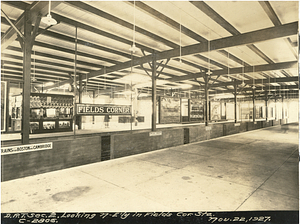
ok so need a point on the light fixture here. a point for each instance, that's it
(133, 48)
(48, 19)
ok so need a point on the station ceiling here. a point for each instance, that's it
(252, 42)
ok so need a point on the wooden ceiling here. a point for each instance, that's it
(252, 42)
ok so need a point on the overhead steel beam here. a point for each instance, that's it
(38, 7)
(175, 25)
(12, 24)
(57, 57)
(70, 39)
(264, 81)
(276, 21)
(166, 20)
(243, 39)
(226, 25)
(100, 13)
(19, 58)
(240, 70)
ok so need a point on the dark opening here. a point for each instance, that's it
(105, 148)
(186, 135)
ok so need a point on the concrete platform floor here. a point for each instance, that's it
(257, 170)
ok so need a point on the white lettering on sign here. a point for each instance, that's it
(237, 124)
(99, 109)
(155, 133)
(207, 128)
(26, 148)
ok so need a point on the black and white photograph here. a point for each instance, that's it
(150, 112)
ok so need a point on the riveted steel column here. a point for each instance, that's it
(154, 110)
(206, 99)
(235, 101)
(26, 78)
(80, 100)
(266, 104)
(253, 91)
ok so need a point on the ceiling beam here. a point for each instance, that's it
(166, 20)
(57, 57)
(38, 7)
(71, 40)
(276, 21)
(227, 26)
(175, 25)
(100, 13)
(92, 10)
(243, 39)
(263, 81)
(38, 61)
(240, 70)
(272, 88)
(218, 44)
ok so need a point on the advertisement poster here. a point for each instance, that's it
(196, 110)
(169, 110)
(3, 106)
(258, 112)
(215, 111)
(229, 111)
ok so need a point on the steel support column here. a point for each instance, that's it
(282, 108)
(94, 96)
(154, 110)
(253, 91)
(266, 104)
(206, 99)
(235, 101)
(79, 121)
(27, 46)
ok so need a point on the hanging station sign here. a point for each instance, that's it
(102, 109)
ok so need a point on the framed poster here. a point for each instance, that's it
(230, 111)
(258, 112)
(169, 110)
(3, 105)
(263, 112)
(215, 111)
(196, 110)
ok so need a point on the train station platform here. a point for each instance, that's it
(255, 170)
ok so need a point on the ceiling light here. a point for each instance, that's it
(185, 86)
(209, 72)
(48, 19)
(133, 48)
(49, 84)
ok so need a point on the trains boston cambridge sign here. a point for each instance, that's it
(102, 109)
